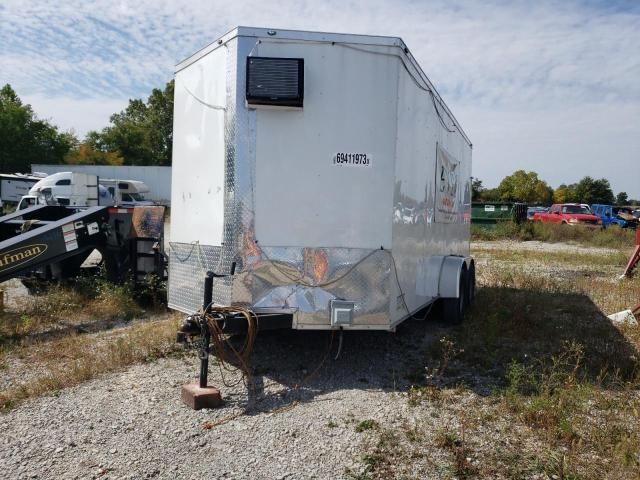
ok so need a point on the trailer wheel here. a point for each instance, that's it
(471, 284)
(453, 308)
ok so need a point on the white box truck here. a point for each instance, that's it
(127, 193)
(320, 177)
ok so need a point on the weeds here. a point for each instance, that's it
(365, 425)
(554, 385)
(77, 358)
(88, 299)
(611, 237)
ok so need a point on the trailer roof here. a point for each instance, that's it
(322, 37)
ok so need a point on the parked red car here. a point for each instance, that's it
(568, 214)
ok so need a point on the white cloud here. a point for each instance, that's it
(551, 86)
(73, 114)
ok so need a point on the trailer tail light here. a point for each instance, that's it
(341, 312)
(275, 81)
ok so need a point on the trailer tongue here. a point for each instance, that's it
(52, 242)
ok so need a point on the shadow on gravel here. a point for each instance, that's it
(505, 325)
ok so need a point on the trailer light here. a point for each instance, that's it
(341, 312)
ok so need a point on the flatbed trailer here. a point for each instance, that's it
(52, 242)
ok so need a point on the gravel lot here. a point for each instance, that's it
(538, 246)
(298, 423)
(133, 424)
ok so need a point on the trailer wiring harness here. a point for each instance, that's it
(214, 340)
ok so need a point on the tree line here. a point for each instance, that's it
(522, 186)
(141, 134)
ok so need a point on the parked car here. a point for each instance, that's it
(568, 214)
(531, 211)
(636, 213)
(608, 216)
(625, 214)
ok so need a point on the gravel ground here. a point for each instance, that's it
(133, 425)
(538, 246)
(300, 424)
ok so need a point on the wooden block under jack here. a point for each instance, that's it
(198, 397)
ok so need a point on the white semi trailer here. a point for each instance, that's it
(321, 178)
(14, 186)
(67, 189)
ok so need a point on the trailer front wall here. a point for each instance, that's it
(303, 198)
(301, 222)
(300, 229)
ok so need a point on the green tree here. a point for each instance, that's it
(142, 134)
(622, 198)
(476, 189)
(592, 191)
(25, 139)
(526, 187)
(565, 194)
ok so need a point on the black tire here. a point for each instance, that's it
(471, 284)
(453, 308)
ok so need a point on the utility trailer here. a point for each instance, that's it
(46, 242)
(318, 180)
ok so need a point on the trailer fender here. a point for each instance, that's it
(451, 270)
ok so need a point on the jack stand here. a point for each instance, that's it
(200, 395)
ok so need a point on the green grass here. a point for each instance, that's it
(612, 237)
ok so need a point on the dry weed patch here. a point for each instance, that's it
(537, 383)
(73, 359)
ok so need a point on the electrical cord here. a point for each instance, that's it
(182, 260)
(222, 344)
(404, 301)
(429, 88)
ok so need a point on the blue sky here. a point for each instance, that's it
(552, 87)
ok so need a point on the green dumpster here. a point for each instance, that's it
(487, 213)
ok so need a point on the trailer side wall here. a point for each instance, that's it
(197, 193)
(431, 197)
(198, 177)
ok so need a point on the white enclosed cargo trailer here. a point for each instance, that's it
(14, 186)
(69, 189)
(323, 175)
